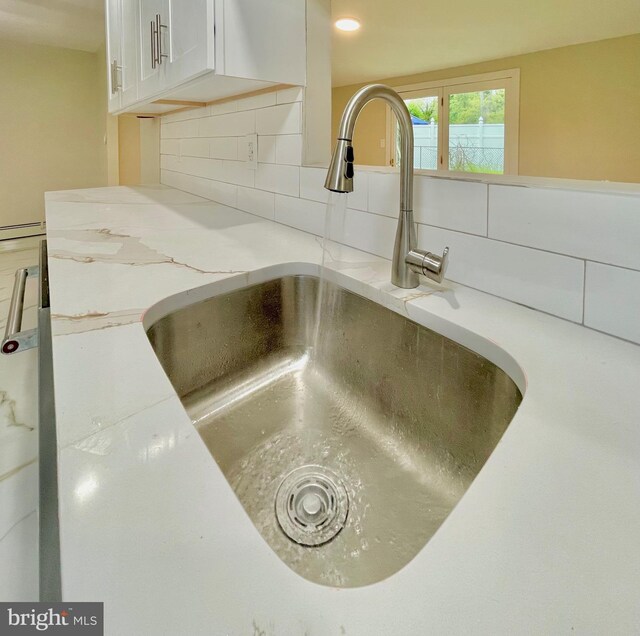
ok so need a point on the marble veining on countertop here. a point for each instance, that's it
(18, 436)
(544, 541)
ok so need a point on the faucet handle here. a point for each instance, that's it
(428, 264)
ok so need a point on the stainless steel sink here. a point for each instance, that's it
(347, 431)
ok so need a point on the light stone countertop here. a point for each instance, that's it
(545, 541)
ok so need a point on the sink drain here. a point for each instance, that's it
(311, 505)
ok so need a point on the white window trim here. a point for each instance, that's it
(508, 79)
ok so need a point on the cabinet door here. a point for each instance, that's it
(114, 59)
(129, 52)
(152, 76)
(190, 36)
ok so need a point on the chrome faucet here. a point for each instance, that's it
(408, 260)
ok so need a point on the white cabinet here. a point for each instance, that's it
(129, 43)
(191, 46)
(201, 50)
(122, 53)
(112, 15)
(152, 42)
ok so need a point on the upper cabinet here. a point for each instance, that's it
(151, 38)
(174, 51)
(191, 46)
(122, 53)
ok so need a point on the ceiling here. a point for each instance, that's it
(395, 39)
(72, 24)
(404, 38)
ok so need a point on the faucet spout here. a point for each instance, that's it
(408, 261)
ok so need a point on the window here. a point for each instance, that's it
(467, 124)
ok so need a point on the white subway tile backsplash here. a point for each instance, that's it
(279, 179)
(368, 232)
(267, 148)
(285, 119)
(236, 172)
(230, 125)
(194, 148)
(594, 226)
(312, 184)
(198, 166)
(257, 202)
(170, 162)
(209, 189)
(224, 193)
(289, 149)
(223, 148)
(180, 129)
(455, 205)
(541, 280)
(196, 185)
(171, 179)
(170, 147)
(256, 101)
(308, 216)
(384, 193)
(612, 300)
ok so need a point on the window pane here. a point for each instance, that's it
(476, 131)
(424, 115)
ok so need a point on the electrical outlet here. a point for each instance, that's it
(251, 160)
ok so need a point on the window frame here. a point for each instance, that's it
(509, 80)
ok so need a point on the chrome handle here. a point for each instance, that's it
(154, 45)
(428, 264)
(159, 27)
(116, 78)
(14, 339)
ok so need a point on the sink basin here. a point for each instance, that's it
(347, 431)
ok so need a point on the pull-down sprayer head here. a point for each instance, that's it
(340, 173)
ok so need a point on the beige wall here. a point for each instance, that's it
(139, 150)
(579, 110)
(129, 149)
(52, 126)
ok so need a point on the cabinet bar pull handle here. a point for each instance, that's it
(14, 338)
(159, 27)
(116, 77)
(154, 54)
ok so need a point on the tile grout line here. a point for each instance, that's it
(487, 234)
(529, 247)
(584, 292)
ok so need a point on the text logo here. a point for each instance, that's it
(51, 618)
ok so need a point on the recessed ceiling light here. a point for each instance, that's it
(347, 24)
